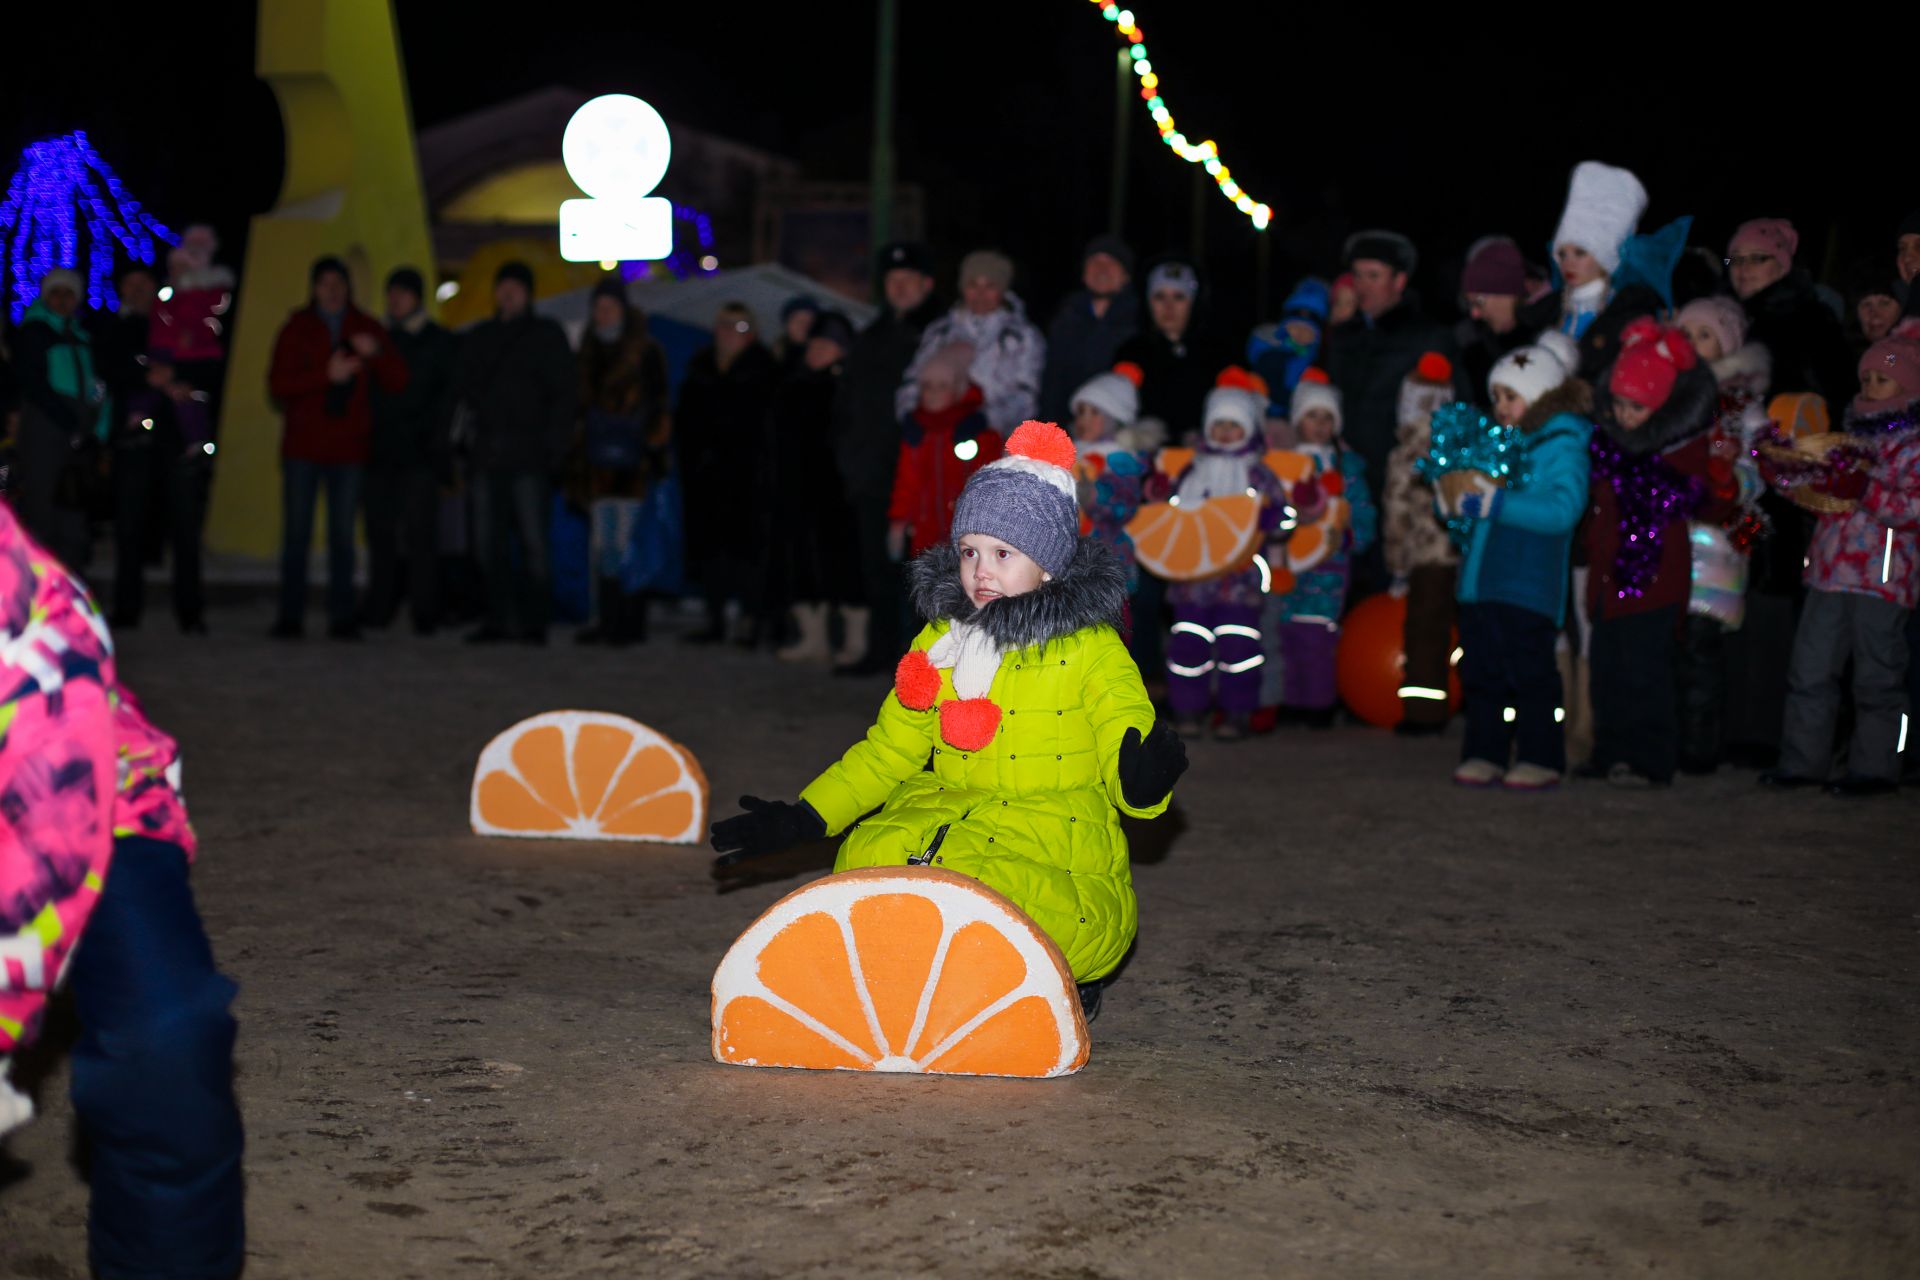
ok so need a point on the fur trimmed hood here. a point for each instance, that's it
(1749, 368)
(1572, 396)
(1687, 412)
(1092, 592)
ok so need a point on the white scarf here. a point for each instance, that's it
(1215, 475)
(972, 656)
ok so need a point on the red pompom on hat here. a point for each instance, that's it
(916, 681)
(1434, 367)
(1241, 380)
(968, 724)
(1131, 372)
(1314, 373)
(1042, 442)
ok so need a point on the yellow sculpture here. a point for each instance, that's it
(352, 189)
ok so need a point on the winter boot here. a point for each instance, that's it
(811, 645)
(606, 627)
(853, 636)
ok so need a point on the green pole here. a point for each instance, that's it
(880, 180)
(1122, 103)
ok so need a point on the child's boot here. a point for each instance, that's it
(811, 644)
(1478, 773)
(853, 636)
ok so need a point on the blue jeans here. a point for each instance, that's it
(153, 1077)
(300, 492)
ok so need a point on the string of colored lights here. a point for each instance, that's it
(62, 185)
(686, 260)
(1205, 154)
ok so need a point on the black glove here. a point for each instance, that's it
(767, 826)
(1149, 769)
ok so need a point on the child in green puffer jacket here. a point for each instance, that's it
(1021, 692)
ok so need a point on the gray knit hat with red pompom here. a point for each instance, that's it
(1026, 499)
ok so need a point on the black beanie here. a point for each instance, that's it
(1111, 245)
(515, 270)
(834, 327)
(1389, 247)
(409, 279)
(611, 287)
(1909, 225)
(329, 263)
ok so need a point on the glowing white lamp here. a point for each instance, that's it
(616, 149)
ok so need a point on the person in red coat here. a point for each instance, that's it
(1655, 467)
(943, 441)
(326, 360)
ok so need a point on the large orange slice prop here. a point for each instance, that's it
(586, 775)
(908, 969)
(1189, 543)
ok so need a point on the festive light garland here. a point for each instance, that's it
(61, 185)
(685, 260)
(1205, 154)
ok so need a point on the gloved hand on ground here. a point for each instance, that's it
(767, 826)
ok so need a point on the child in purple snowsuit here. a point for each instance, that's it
(1214, 656)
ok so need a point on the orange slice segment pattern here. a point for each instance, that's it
(952, 976)
(589, 775)
(1204, 540)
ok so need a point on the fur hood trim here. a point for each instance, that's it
(1687, 412)
(1750, 366)
(1092, 592)
(1572, 396)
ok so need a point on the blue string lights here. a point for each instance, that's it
(62, 189)
(687, 259)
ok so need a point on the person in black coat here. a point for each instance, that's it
(1500, 316)
(720, 438)
(1090, 326)
(1178, 355)
(866, 445)
(1371, 354)
(516, 390)
(408, 460)
(1808, 344)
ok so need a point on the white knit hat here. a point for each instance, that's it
(1604, 205)
(1564, 348)
(1529, 372)
(1317, 395)
(1112, 395)
(1235, 404)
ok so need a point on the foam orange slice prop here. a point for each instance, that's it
(1188, 543)
(587, 775)
(910, 969)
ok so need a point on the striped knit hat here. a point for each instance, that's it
(1026, 499)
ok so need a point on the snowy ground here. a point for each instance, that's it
(1374, 1026)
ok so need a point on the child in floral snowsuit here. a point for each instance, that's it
(94, 843)
(1863, 579)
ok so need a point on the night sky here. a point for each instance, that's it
(1005, 110)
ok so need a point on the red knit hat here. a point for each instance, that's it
(1650, 362)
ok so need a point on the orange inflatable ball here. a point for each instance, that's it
(909, 969)
(1371, 661)
(587, 775)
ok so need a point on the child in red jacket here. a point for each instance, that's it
(943, 441)
(1655, 467)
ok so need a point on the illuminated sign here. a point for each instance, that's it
(616, 150)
